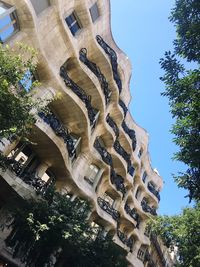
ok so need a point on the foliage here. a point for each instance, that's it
(182, 231)
(16, 103)
(183, 92)
(58, 226)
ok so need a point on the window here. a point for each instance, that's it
(91, 174)
(144, 177)
(137, 194)
(8, 22)
(108, 199)
(73, 23)
(40, 5)
(94, 12)
(140, 153)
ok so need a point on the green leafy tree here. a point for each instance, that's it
(182, 232)
(183, 91)
(56, 232)
(15, 102)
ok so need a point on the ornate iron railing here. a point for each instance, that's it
(30, 177)
(96, 70)
(154, 240)
(126, 156)
(131, 134)
(133, 213)
(123, 106)
(105, 205)
(125, 240)
(147, 208)
(106, 157)
(59, 130)
(113, 60)
(113, 125)
(118, 181)
(153, 190)
(81, 94)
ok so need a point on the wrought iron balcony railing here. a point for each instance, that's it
(113, 60)
(96, 70)
(113, 125)
(126, 156)
(131, 134)
(59, 130)
(133, 213)
(123, 106)
(155, 242)
(105, 205)
(29, 177)
(125, 240)
(106, 157)
(153, 190)
(118, 181)
(92, 112)
(147, 208)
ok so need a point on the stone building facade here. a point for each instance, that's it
(88, 143)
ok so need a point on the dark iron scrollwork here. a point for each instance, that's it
(125, 240)
(96, 70)
(113, 60)
(133, 213)
(59, 130)
(106, 157)
(118, 181)
(105, 205)
(123, 106)
(92, 112)
(30, 177)
(147, 208)
(113, 125)
(153, 190)
(126, 156)
(131, 134)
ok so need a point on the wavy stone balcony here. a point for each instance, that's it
(113, 60)
(60, 131)
(152, 189)
(113, 125)
(105, 205)
(147, 208)
(92, 112)
(29, 177)
(123, 106)
(126, 156)
(125, 240)
(118, 181)
(105, 155)
(131, 134)
(96, 70)
(133, 214)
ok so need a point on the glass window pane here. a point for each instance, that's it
(74, 28)
(94, 12)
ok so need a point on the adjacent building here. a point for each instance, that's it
(88, 144)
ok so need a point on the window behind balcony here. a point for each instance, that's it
(94, 12)
(40, 5)
(91, 174)
(8, 22)
(73, 23)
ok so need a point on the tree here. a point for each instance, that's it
(16, 68)
(55, 231)
(183, 92)
(181, 231)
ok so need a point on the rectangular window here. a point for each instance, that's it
(8, 22)
(94, 12)
(91, 174)
(144, 177)
(73, 23)
(40, 5)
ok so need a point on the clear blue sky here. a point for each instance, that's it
(142, 30)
